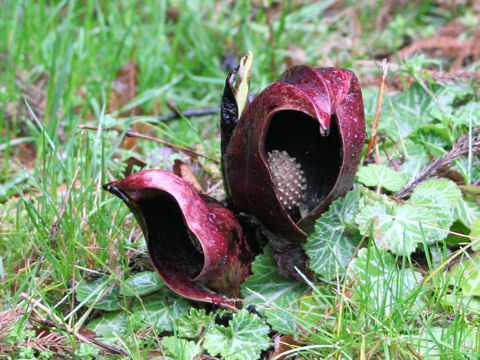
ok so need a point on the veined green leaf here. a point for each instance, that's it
(244, 339)
(143, 283)
(381, 175)
(274, 296)
(110, 324)
(437, 193)
(440, 196)
(192, 324)
(100, 292)
(467, 211)
(160, 310)
(410, 109)
(180, 349)
(331, 246)
(466, 275)
(380, 281)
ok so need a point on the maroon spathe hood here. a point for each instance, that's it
(314, 119)
(196, 245)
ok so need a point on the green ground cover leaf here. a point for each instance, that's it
(468, 113)
(413, 164)
(440, 196)
(192, 324)
(467, 211)
(180, 349)
(434, 342)
(410, 109)
(379, 278)
(331, 246)
(437, 193)
(365, 218)
(110, 325)
(433, 137)
(89, 291)
(475, 229)
(272, 295)
(466, 274)
(381, 175)
(313, 306)
(142, 283)
(160, 310)
(404, 230)
(400, 228)
(244, 338)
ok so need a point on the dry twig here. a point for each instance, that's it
(74, 332)
(459, 149)
(129, 133)
(373, 136)
(186, 113)
(7, 319)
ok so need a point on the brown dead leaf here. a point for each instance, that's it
(281, 344)
(33, 93)
(123, 90)
(445, 45)
(131, 162)
(452, 29)
(87, 333)
(181, 169)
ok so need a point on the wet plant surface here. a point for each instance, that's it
(316, 258)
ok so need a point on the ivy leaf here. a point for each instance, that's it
(437, 192)
(402, 233)
(379, 280)
(401, 228)
(244, 339)
(369, 212)
(433, 137)
(429, 342)
(466, 275)
(180, 349)
(413, 164)
(160, 310)
(110, 325)
(143, 283)
(315, 308)
(440, 196)
(381, 175)
(458, 301)
(90, 291)
(411, 109)
(475, 230)
(467, 211)
(334, 241)
(193, 324)
(274, 296)
(468, 113)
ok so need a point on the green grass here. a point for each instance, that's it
(58, 60)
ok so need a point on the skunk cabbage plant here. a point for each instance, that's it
(295, 149)
(196, 245)
(286, 155)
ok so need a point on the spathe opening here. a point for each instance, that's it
(320, 157)
(169, 241)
